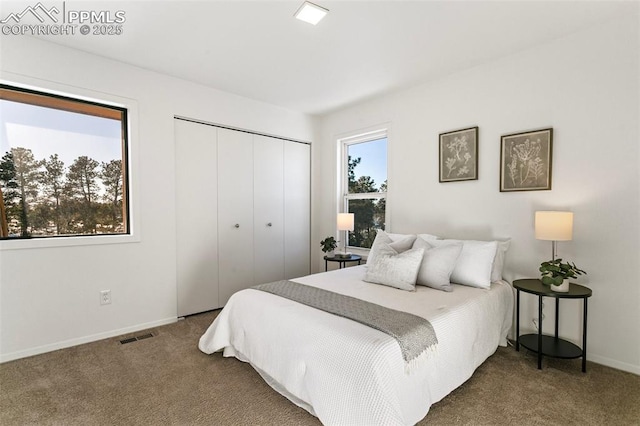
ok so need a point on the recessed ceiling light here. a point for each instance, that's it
(311, 13)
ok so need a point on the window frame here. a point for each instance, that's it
(129, 158)
(344, 143)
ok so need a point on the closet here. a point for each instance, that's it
(242, 211)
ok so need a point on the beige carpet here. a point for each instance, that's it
(166, 380)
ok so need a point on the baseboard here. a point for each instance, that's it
(635, 369)
(82, 340)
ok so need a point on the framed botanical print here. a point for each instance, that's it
(525, 161)
(459, 155)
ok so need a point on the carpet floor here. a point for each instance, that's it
(166, 380)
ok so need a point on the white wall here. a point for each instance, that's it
(586, 87)
(49, 296)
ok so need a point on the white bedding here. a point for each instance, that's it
(346, 373)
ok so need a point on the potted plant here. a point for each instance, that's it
(556, 274)
(329, 244)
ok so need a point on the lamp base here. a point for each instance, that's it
(342, 255)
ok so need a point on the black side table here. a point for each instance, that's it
(342, 260)
(550, 345)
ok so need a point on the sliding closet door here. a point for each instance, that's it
(196, 217)
(235, 212)
(268, 209)
(297, 210)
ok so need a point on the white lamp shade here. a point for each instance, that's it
(345, 221)
(554, 226)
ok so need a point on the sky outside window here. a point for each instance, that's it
(62, 166)
(373, 162)
(47, 131)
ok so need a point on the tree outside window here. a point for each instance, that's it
(62, 166)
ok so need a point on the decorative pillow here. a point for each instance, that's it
(381, 238)
(474, 265)
(404, 243)
(429, 237)
(437, 264)
(394, 269)
(498, 261)
(398, 237)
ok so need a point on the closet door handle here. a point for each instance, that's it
(237, 225)
(269, 224)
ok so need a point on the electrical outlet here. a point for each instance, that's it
(105, 297)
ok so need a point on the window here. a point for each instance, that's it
(63, 166)
(364, 185)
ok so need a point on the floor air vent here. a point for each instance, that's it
(136, 338)
(144, 336)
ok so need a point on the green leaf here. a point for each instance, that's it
(555, 271)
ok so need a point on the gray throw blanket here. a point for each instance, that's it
(413, 333)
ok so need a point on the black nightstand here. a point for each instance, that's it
(551, 345)
(342, 260)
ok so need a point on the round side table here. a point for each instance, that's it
(341, 260)
(552, 346)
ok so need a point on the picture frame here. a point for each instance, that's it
(526, 161)
(458, 155)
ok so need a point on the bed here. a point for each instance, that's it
(344, 372)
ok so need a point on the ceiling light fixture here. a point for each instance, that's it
(311, 13)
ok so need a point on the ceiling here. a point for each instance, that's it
(360, 50)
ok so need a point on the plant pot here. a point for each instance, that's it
(562, 288)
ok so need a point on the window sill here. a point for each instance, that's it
(37, 243)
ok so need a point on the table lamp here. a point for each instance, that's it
(554, 226)
(345, 223)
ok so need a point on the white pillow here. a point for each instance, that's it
(437, 264)
(498, 261)
(404, 243)
(474, 265)
(429, 237)
(394, 269)
(398, 237)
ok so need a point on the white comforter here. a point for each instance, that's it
(346, 373)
